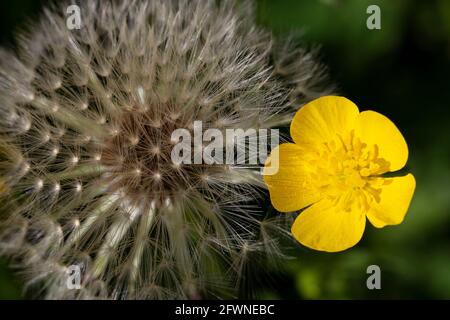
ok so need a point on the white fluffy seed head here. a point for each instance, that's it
(139, 225)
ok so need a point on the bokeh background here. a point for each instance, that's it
(401, 71)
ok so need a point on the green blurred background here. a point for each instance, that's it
(401, 71)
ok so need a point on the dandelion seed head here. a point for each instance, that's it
(86, 119)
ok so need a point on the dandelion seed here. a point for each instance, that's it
(45, 137)
(55, 152)
(134, 141)
(57, 187)
(156, 150)
(74, 159)
(26, 125)
(157, 176)
(101, 120)
(76, 223)
(39, 184)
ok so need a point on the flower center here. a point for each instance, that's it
(138, 158)
(347, 171)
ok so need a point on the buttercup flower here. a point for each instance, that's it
(335, 170)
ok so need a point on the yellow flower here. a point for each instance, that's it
(335, 170)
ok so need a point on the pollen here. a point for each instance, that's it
(345, 166)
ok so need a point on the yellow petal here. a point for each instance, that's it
(320, 120)
(289, 188)
(375, 129)
(395, 197)
(327, 227)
